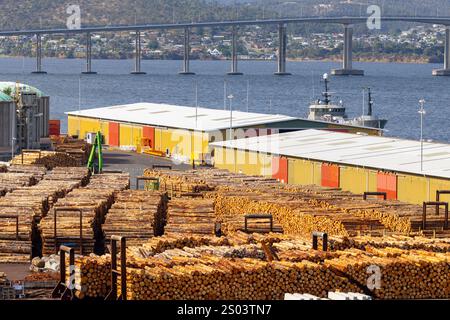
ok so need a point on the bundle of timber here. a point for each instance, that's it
(3, 168)
(48, 159)
(231, 279)
(36, 171)
(176, 241)
(393, 241)
(92, 276)
(78, 149)
(191, 216)
(404, 275)
(16, 255)
(80, 215)
(289, 213)
(137, 215)
(115, 181)
(325, 204)
(69, 173)
(10, 181)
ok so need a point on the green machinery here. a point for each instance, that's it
(96, 150)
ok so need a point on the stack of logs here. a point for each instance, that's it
(76, 148)
(30, 204)
(237, 267)
(138, 215)
(298, 209)
(83, 231)
(191, 216)
(48, 159)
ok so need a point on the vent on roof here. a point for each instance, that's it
(138, 109)
(341, 143)
(158, 112)
(198, 116)
(378, 148)
(222, 119)
(117, 107)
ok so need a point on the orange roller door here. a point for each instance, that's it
(114, 134)
(387, 183)
(149, 133)
(330, 176)
(280, 169)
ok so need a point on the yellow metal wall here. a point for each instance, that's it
(353, 179)
(437, 184)
(413, 189)
(81, 126)
(301, 172)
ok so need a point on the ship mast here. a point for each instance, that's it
(326, 94)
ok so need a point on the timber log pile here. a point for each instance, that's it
(37, 172)
(393, 241)
(238, 267)
(319, 206)
(178, 182)
(94, 201)
(76, 148)
(48, 159)
(191, 216)
(11, 181)
(404, 274)
(31, 204)
(92, 276)
(137, 215)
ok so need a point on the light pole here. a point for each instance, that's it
(422, 113)
(230, 97)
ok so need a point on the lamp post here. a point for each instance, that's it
(422, 113)
(230, 97)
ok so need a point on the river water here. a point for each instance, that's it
(397, 88)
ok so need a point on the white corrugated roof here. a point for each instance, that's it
(165, 115)
(384, 153)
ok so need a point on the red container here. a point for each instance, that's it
(54, 127)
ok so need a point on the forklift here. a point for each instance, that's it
(95, 162)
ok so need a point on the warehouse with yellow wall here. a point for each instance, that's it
(184, 133)
(351, 162)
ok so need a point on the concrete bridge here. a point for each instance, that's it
(346, 22)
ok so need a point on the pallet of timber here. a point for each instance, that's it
(48, 159)
(191, 216)
(93, 201)
(137, 215)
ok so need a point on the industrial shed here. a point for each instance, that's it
(183, 132)
(353, 162)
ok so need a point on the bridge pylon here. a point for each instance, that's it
(347, 59)
(446, 70)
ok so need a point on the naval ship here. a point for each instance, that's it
(325, 110)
